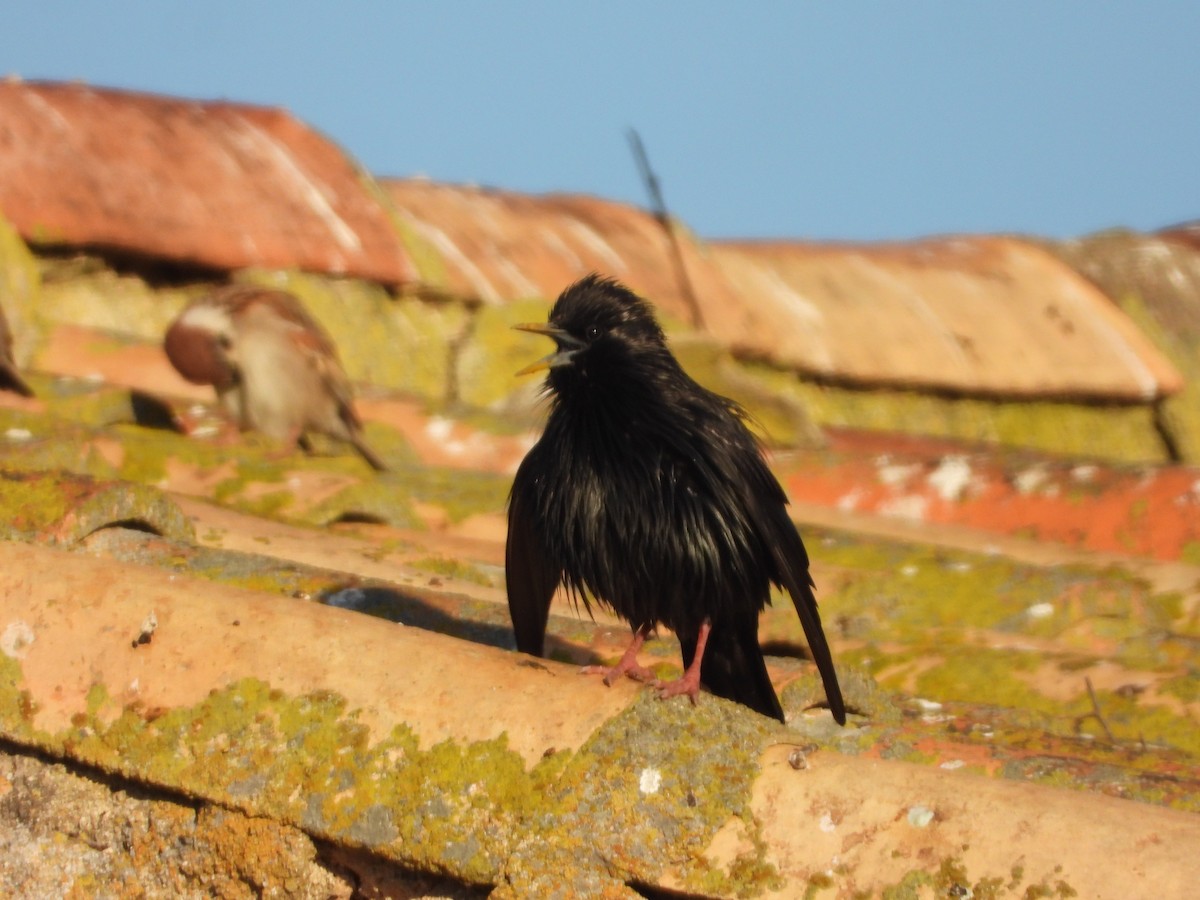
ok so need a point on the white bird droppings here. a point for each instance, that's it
(650, 781)
(919, 816)
(951, 478)
(15, 639)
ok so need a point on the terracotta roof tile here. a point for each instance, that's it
(499, 245)
(979, 315)
(214, 184)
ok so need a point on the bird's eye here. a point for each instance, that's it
(593, 332)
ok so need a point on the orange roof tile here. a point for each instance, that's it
(213, 184)
(979, 315)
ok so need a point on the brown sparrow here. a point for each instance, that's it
(9, 376)
(274, 368)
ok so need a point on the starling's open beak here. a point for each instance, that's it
(568, 346)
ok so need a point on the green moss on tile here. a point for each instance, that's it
(453, 568)
(429, 261)
(458, 492)
(1185, 687)
(1132, 720)
(30, 503)
(491, 354)
(904, 589)
(912, 886)
(649, 789)
(254, 476)
(20, 294)
(52, 507)
(17, 707)
(389, 443)
(376, 499)
(951, 879)
(673, 774)
(431, 268)
(966, 674)
(280, 578)
(94, 409)
(84, 290)
(1180, 412)
(1120, 433)
(893, 591)
(949, 626)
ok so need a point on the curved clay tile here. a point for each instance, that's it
(450, 756)
(497, 246)
(212, 184)
(973, 316)
(979, 316)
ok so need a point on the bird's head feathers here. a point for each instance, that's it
(200, 344)
(592, 314)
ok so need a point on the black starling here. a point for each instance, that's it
(648, 493)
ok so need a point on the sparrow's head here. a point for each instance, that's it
(202, 344)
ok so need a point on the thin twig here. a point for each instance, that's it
(664, 219)
(1096, 710)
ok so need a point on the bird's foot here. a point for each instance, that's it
(688, 685)
(628, 666)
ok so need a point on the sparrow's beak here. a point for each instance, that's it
(568, 346)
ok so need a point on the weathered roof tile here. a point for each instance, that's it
(972, 315)
(214, 184)
(498, 245)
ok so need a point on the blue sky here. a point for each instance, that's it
(842, 120)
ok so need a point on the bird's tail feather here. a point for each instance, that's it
(806, 607)
(733, 667)
(368, 454)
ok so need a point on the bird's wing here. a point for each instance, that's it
(530, 578)
(307, 337)
(322, 358)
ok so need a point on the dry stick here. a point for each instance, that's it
(1096, 710)
(664, 219)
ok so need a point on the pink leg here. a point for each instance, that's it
(689, 684)
(628, 665)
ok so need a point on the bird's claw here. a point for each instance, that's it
(637, 673)
(612, 673)
(687, 686)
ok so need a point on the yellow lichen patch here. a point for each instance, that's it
(648, 790)
(85, 290)
(492, 353)
(1125, 434)
(56, 508)
(1181, 412)
(454, 569)
(20, 288)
